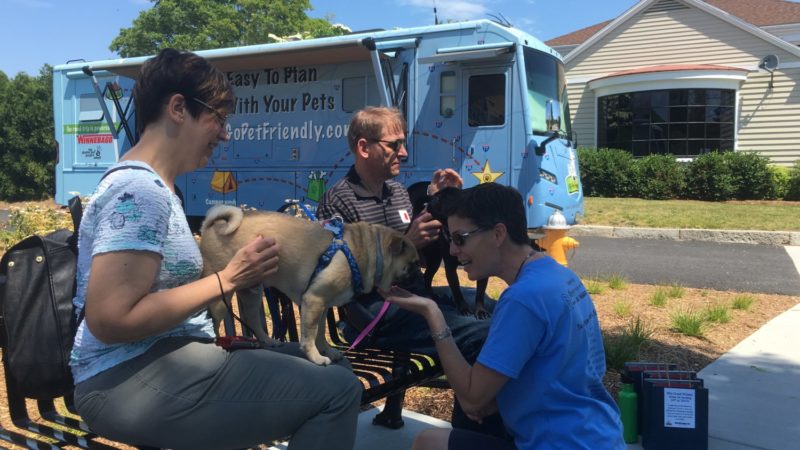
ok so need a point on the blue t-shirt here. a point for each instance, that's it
(133, 210)
(545, 337)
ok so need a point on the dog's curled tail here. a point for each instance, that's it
(231, 215)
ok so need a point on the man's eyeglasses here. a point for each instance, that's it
(222, 119)
(394, 145)
(459, 239)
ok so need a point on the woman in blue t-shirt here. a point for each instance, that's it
(543, 362)
(145, 366)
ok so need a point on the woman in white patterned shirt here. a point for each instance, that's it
(145, 366)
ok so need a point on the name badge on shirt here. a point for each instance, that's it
(404, 216)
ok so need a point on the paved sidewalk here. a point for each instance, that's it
(754, 389)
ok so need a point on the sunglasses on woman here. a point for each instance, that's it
(459, 239)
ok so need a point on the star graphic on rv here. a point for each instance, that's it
(486, 175)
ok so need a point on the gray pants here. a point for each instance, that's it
(185, 394)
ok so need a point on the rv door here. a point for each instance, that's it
(486, 125)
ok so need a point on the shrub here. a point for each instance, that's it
(752, 179)
(594, 286)
(780, 182)
(743, 302)
(625, 345)
(690, 323)
(659, 298)
(617, 281)
(709, 177)
(29, 220)
(675, 290)
(622, 308)
(793, 190)
(659, 177)
(718, 313)
(606, 172)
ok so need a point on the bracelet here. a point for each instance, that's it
(221, 290)
(442, 335)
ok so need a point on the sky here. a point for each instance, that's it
(35, 32)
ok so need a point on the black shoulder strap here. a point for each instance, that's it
(110, 171)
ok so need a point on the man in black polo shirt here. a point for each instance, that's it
(369, 193)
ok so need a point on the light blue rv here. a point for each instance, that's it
(485, 99)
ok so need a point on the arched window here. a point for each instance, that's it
(680, 109)
(682, 122)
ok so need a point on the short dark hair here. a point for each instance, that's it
(488, 204)
(175, 72)
(371, 122)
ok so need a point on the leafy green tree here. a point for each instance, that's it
(27, 145)
(209, 24)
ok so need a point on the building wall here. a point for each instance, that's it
(769, 120)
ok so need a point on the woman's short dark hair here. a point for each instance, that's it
(488, 204)
(175, 72)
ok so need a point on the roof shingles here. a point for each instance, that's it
(756, 12)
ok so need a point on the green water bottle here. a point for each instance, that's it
(626, 399)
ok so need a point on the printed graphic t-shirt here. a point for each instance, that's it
(545, 337)
(134, 210)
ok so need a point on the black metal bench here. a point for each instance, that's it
(384, 373)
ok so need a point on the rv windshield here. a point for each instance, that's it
(547, 92)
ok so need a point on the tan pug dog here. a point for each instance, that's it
(228, 228)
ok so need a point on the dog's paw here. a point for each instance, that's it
(270, 343)
(482, 314)
(333, 354)
(464, 310)
(321, 360)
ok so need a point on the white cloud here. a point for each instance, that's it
(452, 9)
(34, 3)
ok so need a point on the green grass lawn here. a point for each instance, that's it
(735, 215)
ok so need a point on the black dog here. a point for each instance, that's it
(439, 251)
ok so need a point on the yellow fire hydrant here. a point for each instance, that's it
(555, 241)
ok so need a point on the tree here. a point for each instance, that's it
(27, 144)
(209, 24)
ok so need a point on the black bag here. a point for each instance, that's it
(37, 318)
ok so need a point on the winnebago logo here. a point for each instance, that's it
(95, 138)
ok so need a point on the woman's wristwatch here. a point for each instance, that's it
(442, 335)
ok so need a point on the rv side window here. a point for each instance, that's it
(487, 100)
(358, 92)
(354, 94)
(447, 94)
(90, 109)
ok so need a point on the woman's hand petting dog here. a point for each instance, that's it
(251, 264)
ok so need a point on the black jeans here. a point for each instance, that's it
(403, 330)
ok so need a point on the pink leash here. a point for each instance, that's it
(370, 326)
